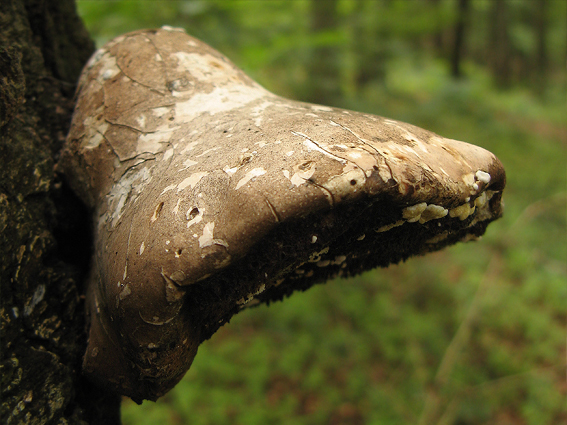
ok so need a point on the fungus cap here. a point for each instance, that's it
(210, 193)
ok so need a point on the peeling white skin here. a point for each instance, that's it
(130, 185)
(188, 163)
(192, 181)
(167, 155)
(230, 98)
(168, 188)
(207, 238)
(302, 176)
(346, 184)
(199, 66)
(123, 294)
(256, 172)
(230, 171)
(313, 146)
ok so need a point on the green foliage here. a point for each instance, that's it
(474, 334)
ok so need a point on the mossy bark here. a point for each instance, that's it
(43, 46)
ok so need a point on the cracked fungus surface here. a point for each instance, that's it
(210, 192)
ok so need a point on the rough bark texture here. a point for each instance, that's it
(43, 46)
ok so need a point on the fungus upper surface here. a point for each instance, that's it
(211, 193)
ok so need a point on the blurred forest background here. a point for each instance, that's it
(475, 334)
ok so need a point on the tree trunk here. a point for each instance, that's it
(437, 35)
(323, 65)
(43, 248)
(499, 43)
(540, 29)
(371, 41)
(459, 39)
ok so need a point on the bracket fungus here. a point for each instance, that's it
(210, 194)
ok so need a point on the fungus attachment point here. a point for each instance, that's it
(195, 220)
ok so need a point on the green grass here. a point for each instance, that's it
(471, 335)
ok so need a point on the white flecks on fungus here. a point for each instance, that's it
(251, 184)
(207, 238)
(192, 181)
(255, 172)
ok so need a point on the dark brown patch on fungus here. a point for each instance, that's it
(209, 192)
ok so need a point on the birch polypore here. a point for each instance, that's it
(210, 193)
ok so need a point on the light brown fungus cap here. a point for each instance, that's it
(210, 193)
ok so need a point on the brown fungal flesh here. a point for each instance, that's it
(209, 192)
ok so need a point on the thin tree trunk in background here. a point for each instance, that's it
(540, 23)
(43, 46)
(459, 39)
(370, 39)
(499, 43)
(323, 64)
(437, 36)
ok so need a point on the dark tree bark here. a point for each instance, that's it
(499, 43)
(459, 39)
(437, 36)
(43, 46)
